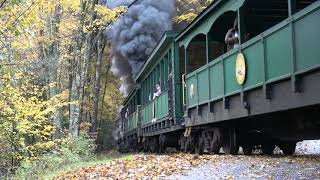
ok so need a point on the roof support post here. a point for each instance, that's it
(186, 60)
(241, 24)
(208, 38)
(291, 7)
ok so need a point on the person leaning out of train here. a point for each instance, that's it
(232, 36)
(126, 115)
(157, 91)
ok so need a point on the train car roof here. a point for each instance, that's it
(166, 39)
(206, 19)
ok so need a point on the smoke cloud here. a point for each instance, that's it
(136, 34)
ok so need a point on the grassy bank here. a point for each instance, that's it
(69, 154)
(99, 160)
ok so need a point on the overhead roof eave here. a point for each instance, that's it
(200, 17)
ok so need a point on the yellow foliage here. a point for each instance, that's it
(189, 9)
(25, 117)
(108, 15)
(29, 30)
(185, 17)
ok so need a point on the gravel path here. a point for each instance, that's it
(308, 147)
(305, 164)
(256, 167)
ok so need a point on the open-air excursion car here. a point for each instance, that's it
(262, 93)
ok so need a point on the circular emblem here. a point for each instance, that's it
(240, 69)
(191, 90)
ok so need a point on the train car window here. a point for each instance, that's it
(181, 62)
(139, 97)
(145, 94)
(162, 71)
(152, 83)
(142, 92)
(157, 76)
(168, 69)
(148, 89)
(170, 61)
(217, 33)
(298, 5)
(197, 52)
(258, 16)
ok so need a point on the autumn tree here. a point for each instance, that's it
(25, 115)
(188, 10)
(88, 37)
(47, 49)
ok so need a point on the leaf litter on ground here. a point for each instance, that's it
(154, 166)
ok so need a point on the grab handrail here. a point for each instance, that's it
(183, 89)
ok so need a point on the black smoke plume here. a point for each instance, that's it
(136, 34)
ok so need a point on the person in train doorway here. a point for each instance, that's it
(232, 36)
(157, 91)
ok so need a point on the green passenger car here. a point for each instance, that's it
(160, 68)
(196, 93)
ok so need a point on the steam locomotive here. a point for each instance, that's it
(197, 95)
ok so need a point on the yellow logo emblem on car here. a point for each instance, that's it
(240, 69)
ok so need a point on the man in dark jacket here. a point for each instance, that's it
(232, 36)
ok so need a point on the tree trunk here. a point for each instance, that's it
(100, 49)
(53, 59)
(76, 92)
(104, 91)
(80, 68)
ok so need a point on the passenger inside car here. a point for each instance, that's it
(232, 36)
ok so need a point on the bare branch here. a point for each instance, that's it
(2, 3)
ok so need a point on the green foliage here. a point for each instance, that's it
(68, 151)
(80, 146)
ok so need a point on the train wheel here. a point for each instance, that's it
(214, 147)
(268, 148)
(199, 143)
(230, 141)
(247, 149)
(288, 147)
(162, 143)
(146, 144)
(187, 144)
(215, 143)
(155, 145)
(182, 143)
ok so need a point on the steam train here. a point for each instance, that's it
(262, 93)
